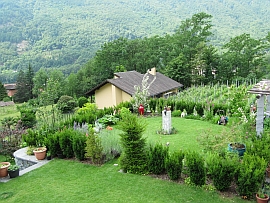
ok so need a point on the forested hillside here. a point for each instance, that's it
(65, 34)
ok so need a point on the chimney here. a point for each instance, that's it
(153, 71)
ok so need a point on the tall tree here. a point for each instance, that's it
(179, 71)
(20, 95)
(246, 56)
(3, 91)
(189, 41)
(40, 80)
(29, 82)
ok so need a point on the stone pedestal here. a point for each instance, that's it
(167, 121)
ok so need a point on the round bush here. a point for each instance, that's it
(66, 103)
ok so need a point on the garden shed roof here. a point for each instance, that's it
(262, 87)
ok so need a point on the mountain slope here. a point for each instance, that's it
(65, 34)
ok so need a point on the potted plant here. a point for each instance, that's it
(13, 171)
(3, 168)
(261, 196)
(40, 153)
(237, 147)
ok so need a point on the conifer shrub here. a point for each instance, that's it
(30, 137)
(82, 101)
(28, 116)
(134, 156)
(174, 164)
(196, 168)
(65, 141)
(94, 148)
(222, 169)
(53, 143)
(156, 158)
(79, 144)
(251, 175)
(176, 113)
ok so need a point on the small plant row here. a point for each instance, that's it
(222, 170)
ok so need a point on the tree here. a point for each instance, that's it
(134, 157)
(20, 95)
(189, 42)
(29, 76)
(40, 80)
(142, 92)
(246, 56)
(3, 92)
(179, 71)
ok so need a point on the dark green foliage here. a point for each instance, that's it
(222, 169)
(53, 143)
(34, 138)
(28, 115)
(156, 158)
(20, 95)
(66, 103)
(3, 92)
(134, 157)
(30, 138)
(78, 145)
(93, 148)
(65, 141)
(259, 146)
(196, 168)
(251, 175)
(7, 99)
(82, 101)
(174, 164)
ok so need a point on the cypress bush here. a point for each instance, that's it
(222, 169)
(156, 160)
(82, 101)
(65, 141)
(94, 148)
(78, 145)
(196, 168)
(134, 157)
(251, 175)
(66, 103)
(174, 164)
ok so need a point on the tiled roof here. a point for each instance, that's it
(127, 80)
(10, 86)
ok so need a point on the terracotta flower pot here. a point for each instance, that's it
(262, 200)
(3, 169)
(40, 153)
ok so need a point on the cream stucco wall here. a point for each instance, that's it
(109, 96)
(104, 97)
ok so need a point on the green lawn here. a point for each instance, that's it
(186, 137)
(71, 181)
(9, 111)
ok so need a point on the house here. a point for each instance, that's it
(11, 89)
(111, 92)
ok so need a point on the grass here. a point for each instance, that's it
(71, 181)
(9, 111)
(187, 132)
